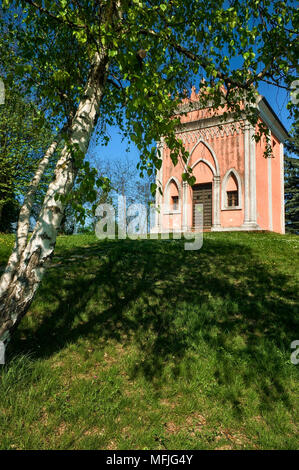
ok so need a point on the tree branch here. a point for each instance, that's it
(204, 63)
(54, 17)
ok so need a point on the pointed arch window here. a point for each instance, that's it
(173, 196)
(231, 191)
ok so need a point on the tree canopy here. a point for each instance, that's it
(91, 63)
(24, 135)
(156, 50)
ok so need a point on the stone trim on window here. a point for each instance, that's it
(224, 201)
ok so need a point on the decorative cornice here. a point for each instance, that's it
(208, 133)
(203, 121)
(206, 122)
(193, 106)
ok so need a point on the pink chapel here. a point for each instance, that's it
(238, 187)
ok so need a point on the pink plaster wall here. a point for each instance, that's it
(262, 185)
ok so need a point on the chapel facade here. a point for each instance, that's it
(238, 187)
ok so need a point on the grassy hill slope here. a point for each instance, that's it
(143, 345)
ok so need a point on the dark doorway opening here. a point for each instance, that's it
(202, 194)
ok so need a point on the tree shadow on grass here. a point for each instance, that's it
(136, 291)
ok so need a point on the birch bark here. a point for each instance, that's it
(19, 286)
(24, 219)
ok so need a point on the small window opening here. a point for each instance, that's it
(175, 203)
(232, 198)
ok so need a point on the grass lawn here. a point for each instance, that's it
(142, 345)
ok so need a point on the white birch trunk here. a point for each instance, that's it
(24, 220)
(18, 294)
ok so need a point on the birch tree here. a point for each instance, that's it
(129, 63)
